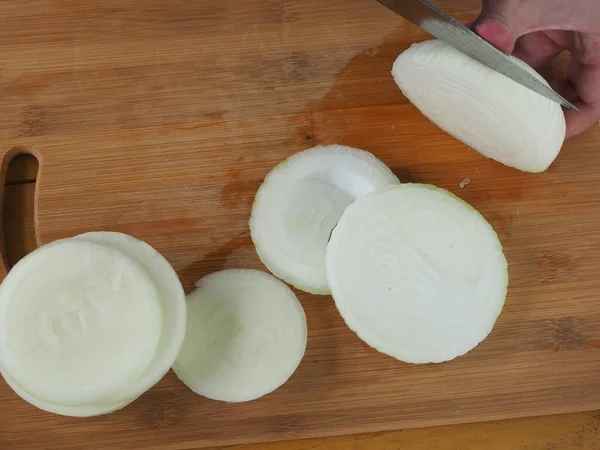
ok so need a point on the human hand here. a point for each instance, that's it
(536, 31)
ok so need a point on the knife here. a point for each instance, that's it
(436, 22)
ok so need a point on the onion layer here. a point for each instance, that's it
(246, 336)
(417, 273)
(301, 201)
(90, 323)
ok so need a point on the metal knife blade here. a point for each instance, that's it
(436, 22)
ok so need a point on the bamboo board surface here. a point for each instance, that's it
(556, 432)
(160, 119)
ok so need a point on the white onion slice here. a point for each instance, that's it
(301, 201)
(77, 319)
(417, 273)
(487, 111)
(87, 311)
(246, 335)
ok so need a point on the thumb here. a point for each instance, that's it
(498, 24)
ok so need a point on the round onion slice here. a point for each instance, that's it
(417, 273)
(246, 335)
(78, 321)
(168, 301)
(487, 111)
(301, 201)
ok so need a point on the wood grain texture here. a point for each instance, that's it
(161, 118)
(557, 432)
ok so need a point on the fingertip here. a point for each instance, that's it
(565, 89)
(579, 121)
(496, 33)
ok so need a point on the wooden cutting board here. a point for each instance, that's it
(160, 118)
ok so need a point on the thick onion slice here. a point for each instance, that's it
(77, 318)
(89, 324)
(485, 110)
(246, 335)
(417, 273)
(301, 201)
